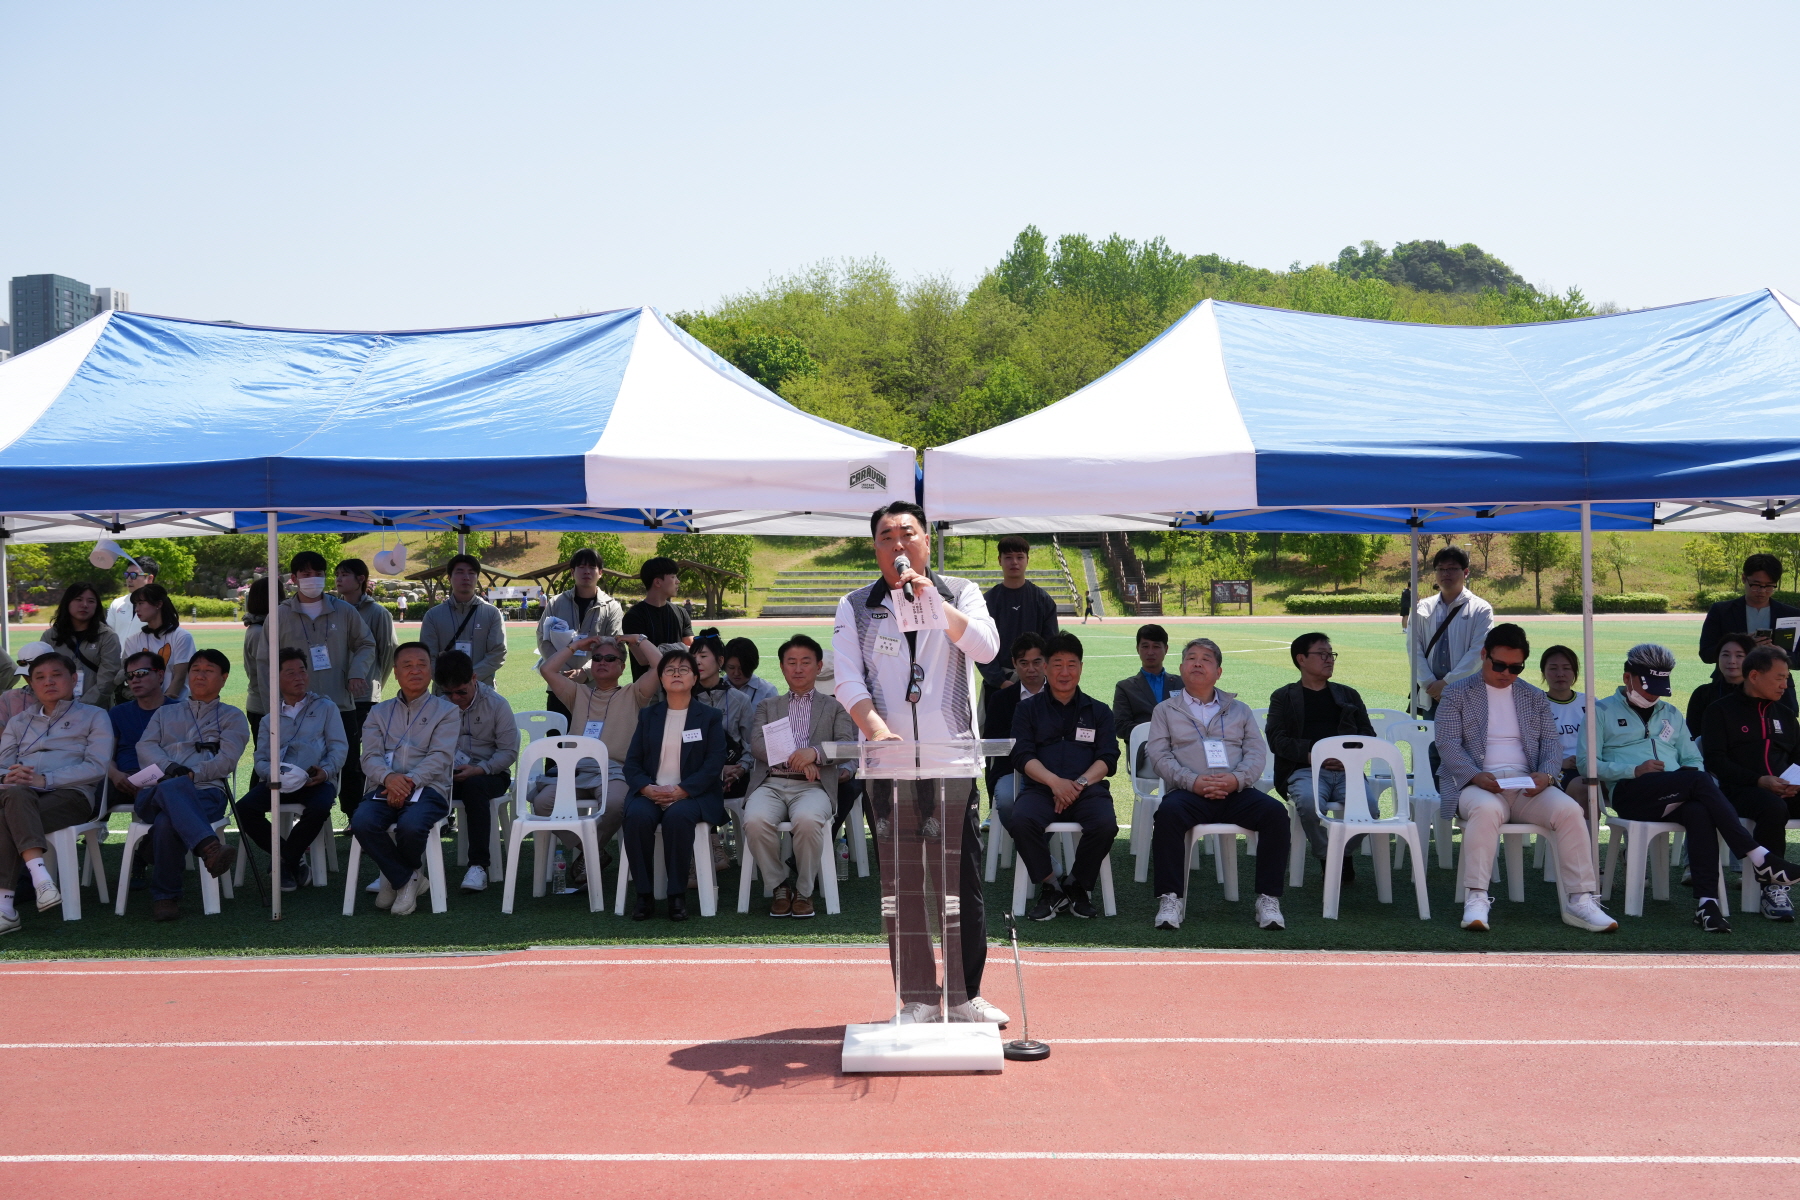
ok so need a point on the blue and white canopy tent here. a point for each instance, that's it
(1254, 418)
(157, 426)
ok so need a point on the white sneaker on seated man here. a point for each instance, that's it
(1501, 755)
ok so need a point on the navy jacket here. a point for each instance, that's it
(1046, 731)
(702, 762)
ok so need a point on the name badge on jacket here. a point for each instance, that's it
(690, 735)
(321, 657)
(594, 729)
(1215, 753)
(1084, 735)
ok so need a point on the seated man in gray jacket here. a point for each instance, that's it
(1205, 745)
(55, 754)
(486, 749)
(312, 742)
(196, 745)
(1501, 757)
(409, 746)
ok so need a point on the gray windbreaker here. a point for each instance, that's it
(312, 737)
(381, 627)
(340, 629)
(482, 627)
(100, 662)
(488, 738)
(605, 616)
(418, 740)
(70, 747)
(175, 730)
(1177, 745)
(256, 665)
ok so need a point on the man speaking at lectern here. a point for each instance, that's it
(918, 685)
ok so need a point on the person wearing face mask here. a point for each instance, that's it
(340, 651)
(1727, 678)
(1750, 742)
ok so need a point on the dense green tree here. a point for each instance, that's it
(609, 546)
(1540, 552)
(1430, 266)
(729, 551)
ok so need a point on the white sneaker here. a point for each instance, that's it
(406, 900)
(1584, 912)
(978, 1009)
(917, 1013)
(1475, 911)
(475, 880)
(1268, 913)
(1168, 911)
(375, 884)
(47, 896)
(384, 893)
(9, 924)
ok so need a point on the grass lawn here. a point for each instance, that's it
(1256, 664)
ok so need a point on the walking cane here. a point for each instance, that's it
(1025, 1049)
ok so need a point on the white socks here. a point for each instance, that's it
(1756, 856)
(40, 874)
(6, 906)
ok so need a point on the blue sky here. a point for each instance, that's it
(381, 165)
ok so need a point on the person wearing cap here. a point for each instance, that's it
(1501, 760)
(1751, 743)
(312, 754)
(352, 576)
(78, 633)
(16, 700)
(340, 651)
(54, 756)
(583, 611)
(487, 746)
(1656, 774)
(144, 673)
(196, 745)
(464, 621)
(159, 630)
(121, 614)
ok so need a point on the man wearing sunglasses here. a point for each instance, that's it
(1501, 756)
(1445, 637)
(121, 614)
(144, 680)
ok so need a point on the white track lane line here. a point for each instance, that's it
(1524, 1160)
(1724, 1044)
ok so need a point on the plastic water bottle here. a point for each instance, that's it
(843, 857)
(559, 877)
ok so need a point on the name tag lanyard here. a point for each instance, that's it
(387, 731)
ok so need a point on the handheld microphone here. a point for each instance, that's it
(901, 567)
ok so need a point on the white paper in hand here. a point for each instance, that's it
(924, 611)
(146, 777)
(1520, 783)
(778, 739)
(1791, 775)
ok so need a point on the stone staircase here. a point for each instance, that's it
(816, 593)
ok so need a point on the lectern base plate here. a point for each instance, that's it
(962, 1046)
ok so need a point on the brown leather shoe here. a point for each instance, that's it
(802, 907)
(165, 910)
(783, 903)
(218, 857)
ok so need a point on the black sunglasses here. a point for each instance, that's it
(916, 688)
(140, 673)
(607, 658)
(1517, 668)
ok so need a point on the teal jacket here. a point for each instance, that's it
(1625, 742)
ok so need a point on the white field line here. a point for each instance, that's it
(1525, 1160)
(1730, 1044)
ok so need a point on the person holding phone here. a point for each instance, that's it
(1756, 613)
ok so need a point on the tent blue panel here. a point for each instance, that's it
(1691, 400)
(507, 518)
(1623, 517)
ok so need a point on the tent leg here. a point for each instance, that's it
(6, 601)
(273, 627)
(1591, 774)
(1412, 676)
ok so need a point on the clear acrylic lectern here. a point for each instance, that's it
(920, 847)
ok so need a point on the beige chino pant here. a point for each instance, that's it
(1483, 813)
(810, 808)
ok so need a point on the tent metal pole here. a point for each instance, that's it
(1412, 670)
(6, 602)
(1592, 773)
(273, 626)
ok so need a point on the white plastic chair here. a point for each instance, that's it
(210, 888)
(1647, 844)
(703, 871)
(999, 843)
(535, 724)
(1512, 846)
(856, 832)
(1750, 892)
(1148, 793)
(826, 883)
(433, 865)
(66, 863)
(1266, 785)
(321, 854)
(567, 753)
(1356, 754)
(1070, 834)
(1418, 734)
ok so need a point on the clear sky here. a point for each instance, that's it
(376, 165)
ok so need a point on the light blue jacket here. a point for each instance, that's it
(1625, 742)
(312, 737)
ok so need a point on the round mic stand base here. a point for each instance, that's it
(1023, 1051)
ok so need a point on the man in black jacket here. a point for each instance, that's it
(1749, 739)
(1755, 612)
(1018, 607)
(1299, 715)
(1135, 697)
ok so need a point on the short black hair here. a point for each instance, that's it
(307, 560)
(215, 657)
(355, 566)
(256, 600)
(587, 556)
(147, 565)
(1742, 641)
(290, 654)
(1063, 643)
(897, 508)
(1455, 554)
(748, 656)
(675, 656)
(1768, 564)
(453, 669)
(155, 659)
(157, 594)
(655, 568)
(1029, 640)
(1012, 543)
(462, 560)
(1153, 633)
(1563, 652)
(68, 664)
(403, 647)
(799, 641)
(1764, 658)
(1302, 646)
(1509, 635)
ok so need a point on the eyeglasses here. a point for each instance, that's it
(140, 673)
(1449, 570)
(916, 688)
(607, 658)
(1510, 668)
(1761, 587)
(1327, 655)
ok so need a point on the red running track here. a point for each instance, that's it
(703, 1071)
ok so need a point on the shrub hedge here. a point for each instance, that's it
(1630, 602)
(205, 608)
(1336, 604)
